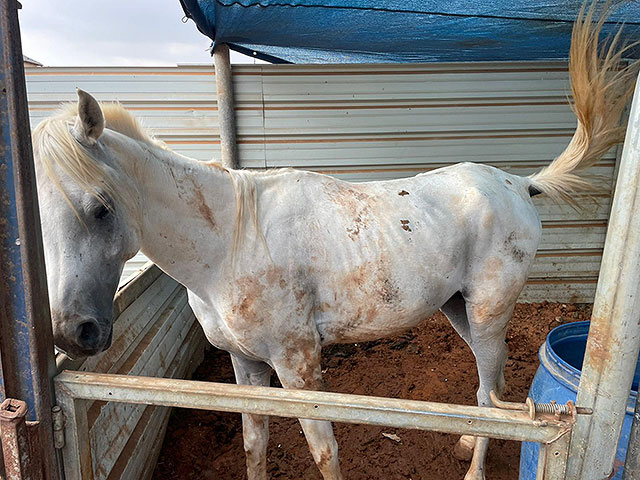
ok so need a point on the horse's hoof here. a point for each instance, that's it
(464, 448)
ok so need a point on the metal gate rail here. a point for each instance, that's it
(74, 389)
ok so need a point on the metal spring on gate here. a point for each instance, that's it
(553, 408)
(533, 408)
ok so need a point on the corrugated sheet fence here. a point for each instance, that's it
(373, 122)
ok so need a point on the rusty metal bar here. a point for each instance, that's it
(536, 408)
(491, 422)
(226, 112)
(614, 335)
(27, 362)
(21, 461)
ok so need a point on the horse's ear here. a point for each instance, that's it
(90, 121)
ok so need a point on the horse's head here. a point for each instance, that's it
(86, 210)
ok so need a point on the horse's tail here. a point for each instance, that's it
(601, 88)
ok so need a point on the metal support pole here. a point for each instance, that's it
(226, 112)
(27, 363)
(614, 335)
(632, 462)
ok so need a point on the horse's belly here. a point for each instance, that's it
(374, 310)
(369, 323)
(400, 286)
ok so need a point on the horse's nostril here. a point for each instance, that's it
(88, 335)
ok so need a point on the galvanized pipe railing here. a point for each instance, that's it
(614, 335)
(74, 389)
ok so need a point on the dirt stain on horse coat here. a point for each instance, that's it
(366, 292)
(253, 296)
(204, 209)
(302, 360)
(493, 268)
(200, 203)
(354, 231)
(510, 246)
(324, 458)
(244, 307)
(355, 203)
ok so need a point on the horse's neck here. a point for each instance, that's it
(188, 210)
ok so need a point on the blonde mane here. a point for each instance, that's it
(58, 152)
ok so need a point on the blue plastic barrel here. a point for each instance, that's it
(557, 379)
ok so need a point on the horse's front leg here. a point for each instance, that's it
(299, 367)
(255, 428)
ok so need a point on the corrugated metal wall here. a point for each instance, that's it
(373, 122)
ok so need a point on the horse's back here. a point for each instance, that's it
(378, 257)
(455, 202)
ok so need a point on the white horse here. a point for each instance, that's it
(280, 263)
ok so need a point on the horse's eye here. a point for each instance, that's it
(101, 212)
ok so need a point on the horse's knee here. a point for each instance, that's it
(255, 457)
(328, 464)
(463, 450)
(254, 443)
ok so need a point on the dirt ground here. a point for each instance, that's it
(430, 362)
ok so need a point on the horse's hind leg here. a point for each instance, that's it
(456, 311)
(487, 330)
(300, 369)
(255, 428)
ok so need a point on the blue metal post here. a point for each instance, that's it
(27, 360)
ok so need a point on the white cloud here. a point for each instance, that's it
(115, 32)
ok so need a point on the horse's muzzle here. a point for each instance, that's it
(89, 336)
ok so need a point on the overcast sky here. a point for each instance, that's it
(112, 32)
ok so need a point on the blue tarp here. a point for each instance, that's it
(405, 31)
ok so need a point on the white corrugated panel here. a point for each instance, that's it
(372, 122)
(133, 267)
